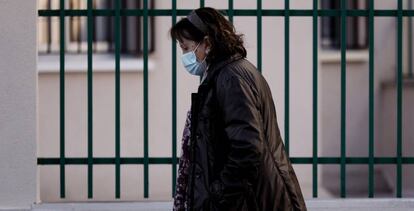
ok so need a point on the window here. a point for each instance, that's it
(357, 27)
(103, 29)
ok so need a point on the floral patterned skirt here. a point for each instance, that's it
(180, 198)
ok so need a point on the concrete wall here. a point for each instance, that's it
(18, 110)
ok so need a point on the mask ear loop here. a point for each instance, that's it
(206, 51)
(196, 47)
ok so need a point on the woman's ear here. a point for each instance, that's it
(208, 44)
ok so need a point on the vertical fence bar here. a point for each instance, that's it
(371, 101)
(79, 26)
(287, 77)
(202, 4)
(94, 37)
(343, 98)
(49, 25)
(90, 101)
(146, 159)
(399, 97)
(72, 36)
(109, 35)
(259, 35)
(62, 96)
(174, 99)
(117, 100)
(315, 100)
(410, 41)
(231, 12)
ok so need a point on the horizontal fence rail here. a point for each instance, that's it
(168, 160)
(286, 13)
(235, 12)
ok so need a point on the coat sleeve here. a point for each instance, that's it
(238, 103)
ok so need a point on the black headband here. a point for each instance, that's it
(197, 22)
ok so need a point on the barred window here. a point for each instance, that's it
(356, 29)
(103, 29)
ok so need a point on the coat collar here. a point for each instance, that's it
(214, 70)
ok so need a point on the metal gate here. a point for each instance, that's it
(146, 12)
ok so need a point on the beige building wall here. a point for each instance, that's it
(160, 98)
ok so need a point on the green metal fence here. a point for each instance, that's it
(314, 13)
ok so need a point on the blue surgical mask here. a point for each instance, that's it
(193, 66)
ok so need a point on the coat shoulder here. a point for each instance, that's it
(241, 69)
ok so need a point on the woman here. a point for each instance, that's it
(233, 155)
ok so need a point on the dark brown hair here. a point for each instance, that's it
(220, 32)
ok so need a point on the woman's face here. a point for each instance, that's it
(190, 45)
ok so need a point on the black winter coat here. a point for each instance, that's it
(238, 160)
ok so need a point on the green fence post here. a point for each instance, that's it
(410, 41)
(117, 99)
(315, 100)
(231, 12)
(174, 99)
(287, 76)
(90, 102)
(371, 100)
(259, 35)
(399, 97)
(62, 97)
(343, 97)
(146, 159)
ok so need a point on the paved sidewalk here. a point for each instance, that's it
(405, 204)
